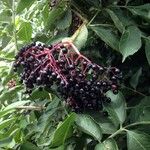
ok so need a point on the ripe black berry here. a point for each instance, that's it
(105, 114)
(81, 83)
(64, 50)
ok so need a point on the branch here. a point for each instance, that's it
(14, 28)
(38, 108)
(135, 91)
(137, 123)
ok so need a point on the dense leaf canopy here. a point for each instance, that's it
(110, 33)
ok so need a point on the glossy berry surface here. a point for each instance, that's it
(80, 82)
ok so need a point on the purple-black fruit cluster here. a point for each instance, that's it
(80, 82)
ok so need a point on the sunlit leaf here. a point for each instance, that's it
(81, 38)
(25, 31)
(15, 104)
(6, 123)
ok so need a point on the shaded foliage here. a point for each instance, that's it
(111, 33)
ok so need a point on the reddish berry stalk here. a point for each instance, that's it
(81, 83)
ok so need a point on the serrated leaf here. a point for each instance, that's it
(109, 144)
(130, 42)
(117, 106)
(81, 38)
(135, 78)
(116, 20)
(25, 32)
(89, 126)
(107, 35)
(147, 50)
(63, 131)
(22, 4)
(138, 141)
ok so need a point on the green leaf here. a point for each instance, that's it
(124, 17)
(117, 108)
(107, 35)
(141, 111)
(65, 21)
(116, 20)
(95, 3)
(130, 42)
(107, 127)
(44, 120)
(24, 4)
(8, 142)
(36, 94)
(142, 11)
(6, 123)
(109, 144)
(105, 123)
(59, 148)
(81, 39)
(135, 78)
(45, 14)
(25, 32)
(7, 3)
(138, 141)
(63, 131)
(10, 94)
(6, 16)
(56, 14)
(28, 146)
(89, 126)
(147, 50)
(6, 112)
(15, 104)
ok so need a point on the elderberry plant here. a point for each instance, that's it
(80, 82)
(68, 94)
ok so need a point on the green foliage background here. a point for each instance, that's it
(114, 32)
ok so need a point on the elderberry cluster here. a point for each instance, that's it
(80, 82)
